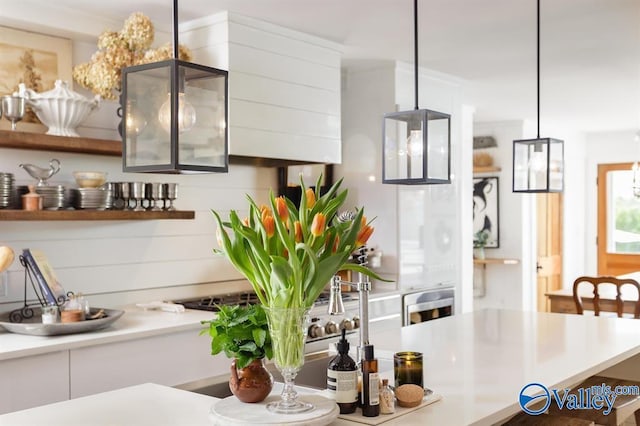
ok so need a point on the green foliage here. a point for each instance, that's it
(241, 333)
(480, 239)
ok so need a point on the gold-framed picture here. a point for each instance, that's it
(37, 60)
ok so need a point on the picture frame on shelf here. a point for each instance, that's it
(486, 212)
(37, 60)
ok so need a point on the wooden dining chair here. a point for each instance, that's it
(625, 405)
(600, 304)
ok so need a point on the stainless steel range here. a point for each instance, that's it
(324, 329)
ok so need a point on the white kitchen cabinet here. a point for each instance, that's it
(284, 86)
(385, 313)
(33, 381)
(168, 359)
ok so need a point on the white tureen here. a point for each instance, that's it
(60, 109)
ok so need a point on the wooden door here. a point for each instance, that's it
(549, 263)
(618, 225)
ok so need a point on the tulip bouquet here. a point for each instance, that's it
(290, 253)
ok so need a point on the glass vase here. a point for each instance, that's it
(288, 329)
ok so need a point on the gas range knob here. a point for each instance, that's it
(331, 327)
(356, 322)
(315, 331)
(347, 324)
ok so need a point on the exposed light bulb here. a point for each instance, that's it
(135, 121)
(186, 114)
(538, 162)
(414, 143)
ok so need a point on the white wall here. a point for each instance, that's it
(506, 286)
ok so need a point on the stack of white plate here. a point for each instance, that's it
(6, 189)
(52, 197)
(90, 198)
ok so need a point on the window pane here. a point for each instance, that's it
(623, 227)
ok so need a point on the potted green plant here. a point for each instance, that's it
(480, 240)
(242, 333)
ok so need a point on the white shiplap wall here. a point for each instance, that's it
(284, 86)
(117, 262)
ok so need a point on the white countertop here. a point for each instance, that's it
(480, 361)
(134, 324)
(477, 361)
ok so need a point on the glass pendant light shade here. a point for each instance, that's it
(416, 147)
(416, 144)
(538, 165)
(184, 108)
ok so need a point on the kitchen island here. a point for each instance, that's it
(477, 361)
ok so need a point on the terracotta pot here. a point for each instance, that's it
(252, 383)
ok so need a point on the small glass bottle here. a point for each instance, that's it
(387, 399)
(370, 384)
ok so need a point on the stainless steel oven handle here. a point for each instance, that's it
(384, 318)
(418, 307)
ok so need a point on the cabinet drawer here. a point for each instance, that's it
(33, 381)
(167, 360)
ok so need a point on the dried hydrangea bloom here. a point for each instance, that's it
(165, 52)
(81, 73)
(138, 32)
(117, 50)
(111, 40)
(104, 79)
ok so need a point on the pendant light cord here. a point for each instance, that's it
(537, 61)
(175, 29)
(415, 48)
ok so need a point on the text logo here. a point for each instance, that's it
(530, 404)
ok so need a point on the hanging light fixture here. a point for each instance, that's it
(416, 144)
(538, 164)
(175, 115)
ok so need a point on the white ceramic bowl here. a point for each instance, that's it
(60, 109)
(90, 179)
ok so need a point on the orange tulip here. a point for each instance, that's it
(269, 225)
(264, 212)
(245, 221)
(336, 243)
(311, 197)
(281, 206)
(363, 235)
(317, 226)
(298, 231)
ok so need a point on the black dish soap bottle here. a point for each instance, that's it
(342, 377)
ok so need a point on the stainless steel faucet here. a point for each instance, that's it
(336, 307)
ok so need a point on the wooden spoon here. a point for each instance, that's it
(6, 258)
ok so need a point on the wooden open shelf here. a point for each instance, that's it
(489, 169)
(93, 215)
(42, 142)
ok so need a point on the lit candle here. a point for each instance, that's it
(407, 368)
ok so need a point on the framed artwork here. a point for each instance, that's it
(37, 60)
(486, 209)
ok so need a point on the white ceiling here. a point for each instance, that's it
(590, 49)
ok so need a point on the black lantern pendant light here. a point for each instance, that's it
(416, 144)
(174, 116)
(538, 164)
